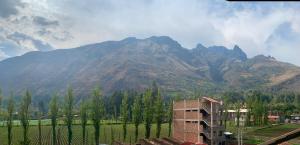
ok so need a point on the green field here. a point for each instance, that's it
(105, 134)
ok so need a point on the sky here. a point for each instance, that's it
(269, 28)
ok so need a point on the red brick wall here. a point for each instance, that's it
(191, 137)
(178, 114)
(191, 127)
(192, 115)
(179, 105)
(178, 131)
(192, 104)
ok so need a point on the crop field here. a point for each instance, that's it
(105, 135)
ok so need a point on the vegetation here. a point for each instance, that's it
(40, 110)
(97, 110)
(25, 116)
(84, 119)
(159, 113)
(77, 133)
(10, 110)
(148, 113)
(53, 115)
(122, 119)
(124, 114)
(170, 117)
(136, 116)
(68, 110)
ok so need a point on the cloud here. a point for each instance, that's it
(253, 26)
(3, 55)
(44, 22)
(9, 7)
(284, 43)
(28, 42)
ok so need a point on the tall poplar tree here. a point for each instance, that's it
(170, 117)
(97, 110)
(124, 114)
(25, 117)
(9, 121)
(137, 115)
(159, 113)
(84, 119)
(68, 111)
(40, 114)
(148, 112)
(53, 114)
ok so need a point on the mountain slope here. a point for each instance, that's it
(134, 63)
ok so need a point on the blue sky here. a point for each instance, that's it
(269, 28)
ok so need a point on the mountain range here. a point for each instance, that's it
(135, 63)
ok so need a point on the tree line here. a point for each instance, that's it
(261, 104)
(147, 108)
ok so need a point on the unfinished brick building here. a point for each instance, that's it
(198, 121)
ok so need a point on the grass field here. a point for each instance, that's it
(105, 134)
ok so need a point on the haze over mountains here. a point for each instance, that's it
(135, 63)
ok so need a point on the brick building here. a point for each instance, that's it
(198, 121)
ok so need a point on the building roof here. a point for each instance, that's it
(273, 116)
(234, 111)
(210, 100)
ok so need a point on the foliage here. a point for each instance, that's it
(97, 110)
(10, 110)
(148, 112)
(124, 114)
(25, 116)
(53, 114)
(84, 119)
(68, 112)
(170, 117)
(159, 113)
(136, 115)
(40, 113)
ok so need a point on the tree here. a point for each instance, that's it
(170, 117)
(1, 97)
(148, 112)
(97, 110)
(25, 116)
(136, 115)
(112, 135)
(40, 114)
(53, 115)
(84, 119)
(10, 111)
(159, 113)
(124, 114)
(68, 110)
(0, 101)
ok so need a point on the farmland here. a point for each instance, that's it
(105, 134)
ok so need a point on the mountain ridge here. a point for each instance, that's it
(133, 63)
